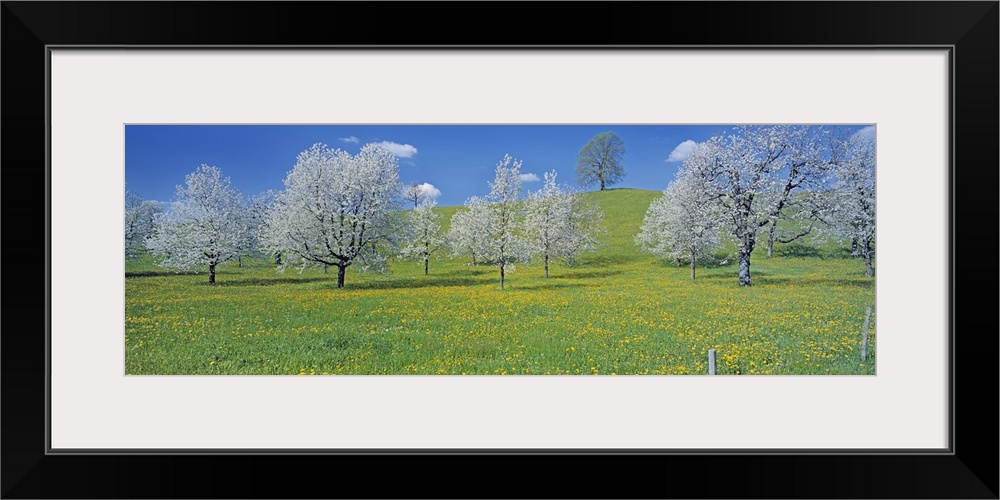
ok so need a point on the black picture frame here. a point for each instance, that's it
(969, 470)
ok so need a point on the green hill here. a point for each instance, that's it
(623, 210)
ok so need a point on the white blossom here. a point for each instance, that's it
(425, 235)
(684, 223)
(140, 216)
(853, 199)
(467, 233)
(504, 216)
(560, 223)
(337, 210)
(205, 227)
(754, 172)
(257, 210)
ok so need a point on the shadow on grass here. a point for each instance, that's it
(721, 264)
(859, 282)
(266, 281)
(608, 260)
(798, 250)
(766, 279)
(477, 270)
(153, 274)
(428, 281)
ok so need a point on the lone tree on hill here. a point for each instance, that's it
(412, 192)
(600, 161)
(206, 226)
(336, 210)
(415, 192)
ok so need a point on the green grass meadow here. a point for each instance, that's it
(617, 312)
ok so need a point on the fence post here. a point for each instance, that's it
(711, 361)
(864, 336)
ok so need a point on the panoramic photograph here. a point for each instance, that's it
(597, 249)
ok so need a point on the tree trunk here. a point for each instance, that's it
(239, 260)
(546, 265)
(211, 273)
(427, 254)
(745, 251)
(770, 239)
(854, 246)
(325, 267)
(425, 264)
(692, 262)
(277, 258)
(869, 270)
(744, 269)
(602, 184)
(473, 258)
(340, 275)
(501, 276)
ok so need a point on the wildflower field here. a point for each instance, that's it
(618, 311)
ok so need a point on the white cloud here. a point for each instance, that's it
(682, 151)
(428, 190)
(400, 150)
(867, 132)
(529, 178)
(351, 139)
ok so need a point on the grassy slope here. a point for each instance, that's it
(618, 311)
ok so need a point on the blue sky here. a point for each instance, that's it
(459, 160)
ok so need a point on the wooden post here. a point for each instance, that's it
(864, 336)
(711, 361)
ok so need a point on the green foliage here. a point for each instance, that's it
(600, 161)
